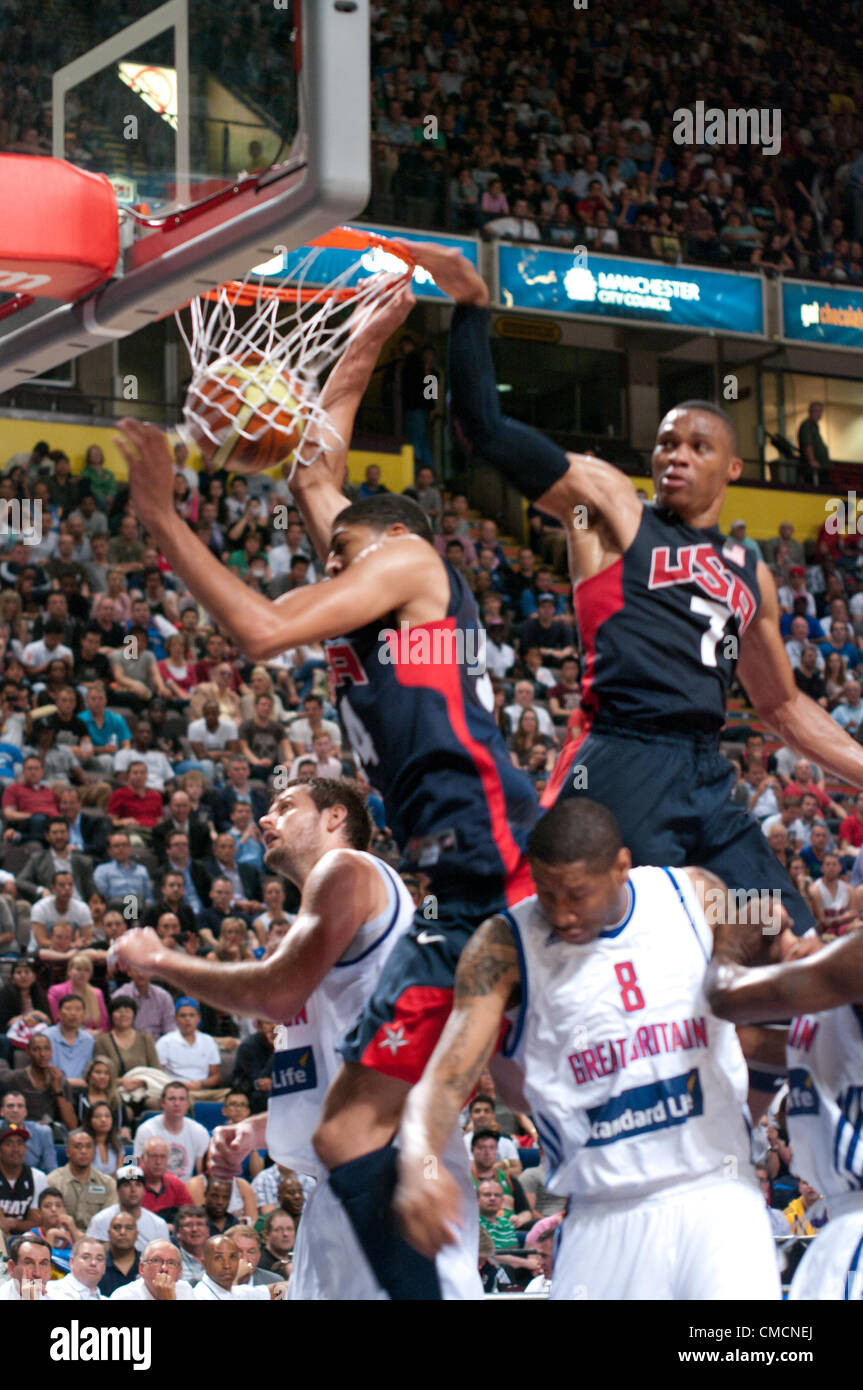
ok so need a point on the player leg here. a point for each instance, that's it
(640, 780)
(328, 1261)
(613, 1252)
(724, 1248)
(832, 1267)
(384, 1055)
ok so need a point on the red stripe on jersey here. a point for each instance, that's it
(562, 768)
(595, 600)
(445, 678)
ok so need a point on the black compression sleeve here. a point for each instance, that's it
(521, 454)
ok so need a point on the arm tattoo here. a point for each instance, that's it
(489, 958)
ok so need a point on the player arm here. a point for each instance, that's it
(486, 984)
(766, 673)
(553, 480)
(339, 895)
(831, 977)
(385, 578)
(317, 481)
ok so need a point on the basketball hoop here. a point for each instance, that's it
(255, 384)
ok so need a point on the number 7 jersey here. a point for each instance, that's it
(660, 628)
(634, 1086)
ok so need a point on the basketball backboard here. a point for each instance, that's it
(229, 133)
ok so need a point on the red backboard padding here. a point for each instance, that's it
(59, 230)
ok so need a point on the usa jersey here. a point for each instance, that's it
(305, 1059)
(659, 628)
(634, 1086)
(825, 1102)
(417, 707)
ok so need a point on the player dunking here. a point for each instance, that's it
(420, 722)
(824, 1060)
(666, 609)
(637, 1090)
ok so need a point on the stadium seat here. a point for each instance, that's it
(208, 1113)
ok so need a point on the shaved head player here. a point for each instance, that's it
(420, 721)
(667, 609)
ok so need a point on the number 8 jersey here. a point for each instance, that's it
(634, 1086)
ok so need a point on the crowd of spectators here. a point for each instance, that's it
(139, 751)
(543, 123)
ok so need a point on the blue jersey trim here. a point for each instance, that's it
(852, 1269)
(388, 875)
(689, 917)
(550, 1142)
(615, 931)
(513, 1037)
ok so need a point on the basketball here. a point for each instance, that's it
(245, 414)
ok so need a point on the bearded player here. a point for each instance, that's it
(419, 718)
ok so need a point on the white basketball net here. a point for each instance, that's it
(277, 351)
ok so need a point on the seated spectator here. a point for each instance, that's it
(39, 1152)
(764, 792)
(280, 1232)
(130, 1191)
(20, 1185)
(79, 974)
(87, 1269)
(524, 698)
(247, 836)
(191, 1232)
(263, 741)
(274, 905)
(27, 805)
(808, 677)
(527, 739)
(223, 1200)
(187, 1140)
(71, 1045)
(172, 899)
(159, 1278)
(835, 678)
(133, 807)
(239, 787)
(46, 1092)
(221, 1266)
(135, 679)
(176, 670)
(120, 877)
(123, 1044)
(160, 774)
(154, 1007)
(55, 1226)
(849, 712)
(498, 1224)
(245, 879)
(191, 1056)
(58, 952)
(565, 696)
(163, 1193)
(803, 783)
(85, 1190)
(839, 642)
(814, 854)
(29, 1269)
(100, 1122)
(234, 942)
(179, 820)
(36, 879)
(851, 828)
(248, 1243)
(303, 731)
(326, 763)
(253, 1065)
(836, 906)
(540, 1200)
(122, 1259)
(23, 1005)
(796, 1213)
(488, 1162)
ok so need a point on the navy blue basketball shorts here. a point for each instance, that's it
(399, 1028)
(671, 798)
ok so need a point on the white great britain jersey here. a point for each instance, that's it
(306, 1059)
(825, 1115)
(633, 1084)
